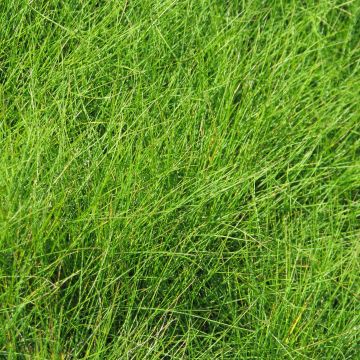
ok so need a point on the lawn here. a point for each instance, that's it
(179, 179)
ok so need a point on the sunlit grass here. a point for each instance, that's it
(179, 179)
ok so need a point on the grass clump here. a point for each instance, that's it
(179, 179)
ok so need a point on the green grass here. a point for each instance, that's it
(179, 179)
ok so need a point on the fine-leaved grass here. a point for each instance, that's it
(179, 179)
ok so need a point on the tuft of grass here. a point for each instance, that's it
(179, 179)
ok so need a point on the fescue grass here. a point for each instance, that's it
(179, 179)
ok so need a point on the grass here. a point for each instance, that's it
(179, 179)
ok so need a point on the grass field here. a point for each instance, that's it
(179, 179)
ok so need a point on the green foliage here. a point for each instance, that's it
(179, 179)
